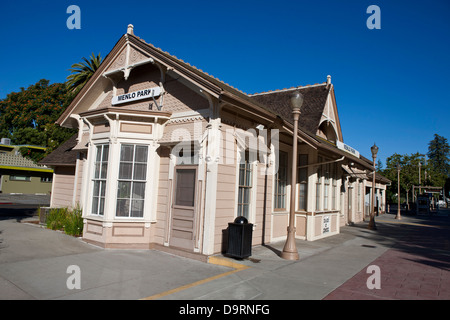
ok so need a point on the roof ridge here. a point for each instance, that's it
(287, 89)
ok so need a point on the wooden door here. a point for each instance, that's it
(184, 208)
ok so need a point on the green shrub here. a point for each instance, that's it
(70, 221)
(56, 218)
(74, 223)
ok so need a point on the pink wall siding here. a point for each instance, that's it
(63, 186)
(226, 187)
(164, 193)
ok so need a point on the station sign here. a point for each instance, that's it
(136, 96)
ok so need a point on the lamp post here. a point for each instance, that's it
(398, 216)
(372, 225)
(420, 183)
(290, 249)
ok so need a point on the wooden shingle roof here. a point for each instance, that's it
(315, 97)
(64, 155)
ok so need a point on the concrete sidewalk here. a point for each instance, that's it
(336, 267)
(324, 265)
(34, 262)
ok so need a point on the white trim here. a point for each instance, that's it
(212, 162)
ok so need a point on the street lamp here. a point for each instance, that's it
(420, 183)
(290, 249)
(372, 225)
(398, 216)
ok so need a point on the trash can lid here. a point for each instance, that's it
(241, 220)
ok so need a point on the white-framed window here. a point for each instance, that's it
(99, 180)
(303, 181)
(245, 186)
(318, 184)
(280, 192)
(132, 180)
(334, 191)
(326, 169)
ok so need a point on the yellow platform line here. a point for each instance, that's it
(213, 260)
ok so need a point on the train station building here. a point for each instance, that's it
(167, 155)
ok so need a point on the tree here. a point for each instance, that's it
(379, 166)
(82, 72)
(28, 116)
(409, 173)
(439, 159)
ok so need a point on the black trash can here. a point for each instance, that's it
(240, 238)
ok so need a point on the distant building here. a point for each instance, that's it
(21, 175)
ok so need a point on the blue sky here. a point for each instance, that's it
(391, 84)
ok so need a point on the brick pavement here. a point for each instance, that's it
(417, 267)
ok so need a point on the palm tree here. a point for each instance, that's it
(82, 72)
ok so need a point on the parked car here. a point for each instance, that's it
(441, 203)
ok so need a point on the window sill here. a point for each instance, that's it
(119, 219)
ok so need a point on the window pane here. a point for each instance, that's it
(97, 171)
(302, 196)
(105, 153)
(138, 190)
(104, 170)
(124, 189)
(137, 208)
(185, 187)
(141, 154)
(282, 173)
(281, 202)
(123, 207)
(248, 178)
(102, 188)
(303, 175)
(126, 153)
(140, 171)
(125, 170)
(99, 153)
(94, 205)
(101, 208)
(282, 187)
(241, 176)
(96, 188)
(318, 197)
(245, 210)
(246, 195)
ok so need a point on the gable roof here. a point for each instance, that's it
(314, 96)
